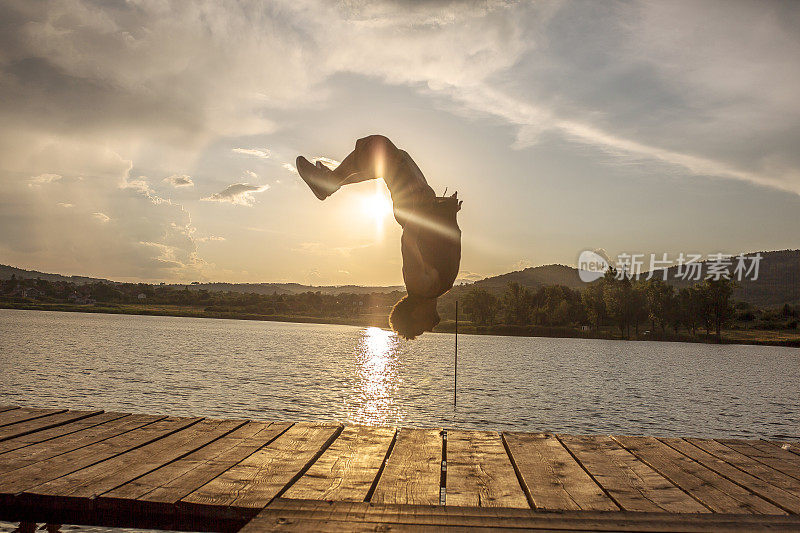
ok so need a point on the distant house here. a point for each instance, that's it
(585, 328)
(142, 296)
(25, 292)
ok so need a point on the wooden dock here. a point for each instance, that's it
(132, 470)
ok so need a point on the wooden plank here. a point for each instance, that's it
(480, 473)
(748, 464)
(42, 423)
(413, 471)
(551, 478)
(793, 447)
(58, 431)
(633, 485)
(779, 459)
(33, 475)
(15, 416)
(348, 468)
(8, 407)
(304, 515)
(107, 475)
(712, 490)
(176, 480)
(785, 500)
(252, 483)
(34, 453)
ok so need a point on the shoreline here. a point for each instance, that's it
(447, 326)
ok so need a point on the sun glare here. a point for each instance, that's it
(378, 205)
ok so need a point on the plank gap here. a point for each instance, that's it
(583, 467)
(665, 476)
(372, 487)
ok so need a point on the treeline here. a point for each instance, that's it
(307, 304)
(614, 303)
(624, 304)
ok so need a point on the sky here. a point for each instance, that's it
(152, 141)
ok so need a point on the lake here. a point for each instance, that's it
(290, 372)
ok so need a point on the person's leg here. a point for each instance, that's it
(373, 157)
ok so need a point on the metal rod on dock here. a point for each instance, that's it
(455, 363)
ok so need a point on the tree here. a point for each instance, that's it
(517, 304)
(717, 294)
(594, 304)
(617, 294)
(637, 306)
(480, 306)
(660, 302)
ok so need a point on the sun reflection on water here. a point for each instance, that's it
(376, 380)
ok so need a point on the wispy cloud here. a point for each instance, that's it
(320, 249)
(102, 217)
(179, 180)
(238, 194)
(255, 152)
(43, 179)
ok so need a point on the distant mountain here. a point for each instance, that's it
(289, 288)
(778, 281)
(258, 288)
(7, 271)
(534, 277)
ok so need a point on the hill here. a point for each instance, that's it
(7, 271)
(778, 280)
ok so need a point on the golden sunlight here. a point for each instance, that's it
(377, 379)
(378, 205)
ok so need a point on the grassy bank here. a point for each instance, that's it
(732, 336)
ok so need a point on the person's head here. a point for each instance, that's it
(412, 315)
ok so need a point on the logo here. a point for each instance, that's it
(591, 266)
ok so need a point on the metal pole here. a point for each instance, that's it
(455, 362)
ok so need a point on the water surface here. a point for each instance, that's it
(290, 372)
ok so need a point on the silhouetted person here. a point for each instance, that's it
(431, 242)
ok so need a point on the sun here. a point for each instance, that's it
(377, 205)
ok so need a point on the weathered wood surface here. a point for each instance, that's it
(632, 484)
(315, 515)
(175, 480)
(479, 473)
(134, 470)
(550, 476)
(252, 483)
(15, 416)
(348, 468)
(703, 484)
(413, 471)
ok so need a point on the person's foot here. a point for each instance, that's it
(319, 178)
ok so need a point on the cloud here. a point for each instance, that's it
(210, 238)
(66, 205)
(237, 194)
(179, 180)
(467, 276)
(522, 264)
(102, 217)
(101, 92)
(320, 249)
(291, 168)
(263, 154)
(44, 178)
(327, 161)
